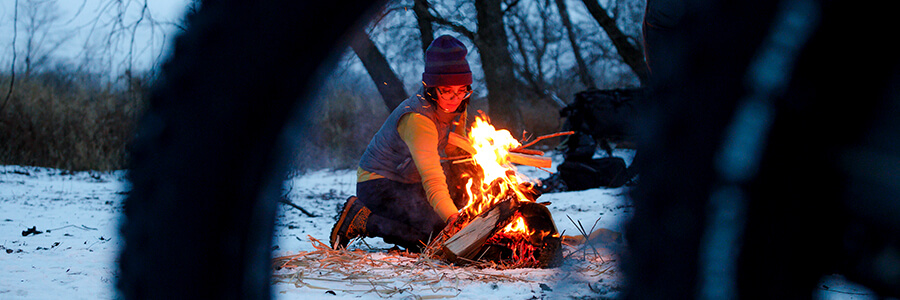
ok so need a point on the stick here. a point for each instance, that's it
(288, 202)
(546, 137)
(462, 161)
(456, 157)
(527, 151)
(545, 170)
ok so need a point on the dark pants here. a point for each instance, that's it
(401, 213)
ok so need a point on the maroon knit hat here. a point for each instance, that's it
(445, 63)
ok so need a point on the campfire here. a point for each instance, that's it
(501, 222)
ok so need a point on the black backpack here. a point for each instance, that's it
(587, 174)
(598, 117)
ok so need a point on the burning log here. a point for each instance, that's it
(515, 233)
(469, 239)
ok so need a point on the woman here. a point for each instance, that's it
(402, 188)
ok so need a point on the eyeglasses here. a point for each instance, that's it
(448, 94)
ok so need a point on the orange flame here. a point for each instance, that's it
(499, 181)
(517, 226)
(491, 154)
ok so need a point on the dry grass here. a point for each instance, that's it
(391, 273)
(64, 121)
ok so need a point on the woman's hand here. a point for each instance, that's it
(452, 219)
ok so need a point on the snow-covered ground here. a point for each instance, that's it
(78, 213)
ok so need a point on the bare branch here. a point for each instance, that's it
(510, 5)
(387, 12)
(12, 72)
(433, 16)
(583, 71)
(631, 54)
(144, 12)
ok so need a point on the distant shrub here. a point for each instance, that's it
(343, 117)
(67, 120)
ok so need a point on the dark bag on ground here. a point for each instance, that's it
(599, 172)
(604, 115)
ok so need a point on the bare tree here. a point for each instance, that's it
(533, 40)
(630, 53)
(12, 71)
(420, 8)
(533, 33)
(493, 45)
(583, 71)
(39, 18)
(117, 25)
(388, 83)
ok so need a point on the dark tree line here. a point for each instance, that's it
(505, 79)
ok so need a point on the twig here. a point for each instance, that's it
(586, 237)
(462, 161)
(546, 137)
(456, 157)
(284, 199)
(82, 227)
(288, 202)
(545, 170)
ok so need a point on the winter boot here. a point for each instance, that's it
(351, 223)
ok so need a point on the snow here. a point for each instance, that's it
(78, 214)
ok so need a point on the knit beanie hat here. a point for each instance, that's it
(445, 63)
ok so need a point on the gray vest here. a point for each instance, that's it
(387, 155)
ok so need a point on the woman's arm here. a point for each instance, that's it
(421, 137)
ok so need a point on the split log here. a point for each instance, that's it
(460, 141)
(468, 240)
(530, 160)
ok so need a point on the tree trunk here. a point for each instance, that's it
(631, 54)
(420, 8)
(499, 78)
(389, 85)
(583, 71)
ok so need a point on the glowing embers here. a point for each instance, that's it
(528, 240)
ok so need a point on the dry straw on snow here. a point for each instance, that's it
(394, 272)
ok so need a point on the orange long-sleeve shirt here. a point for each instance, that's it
(421, 136)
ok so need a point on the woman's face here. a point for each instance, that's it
(450, 96)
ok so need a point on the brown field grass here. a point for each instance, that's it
(59, 121)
